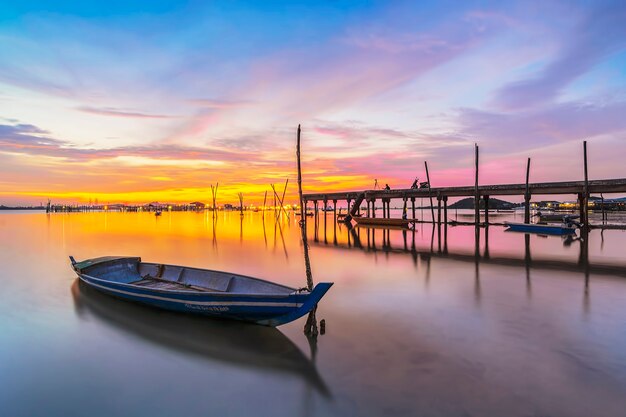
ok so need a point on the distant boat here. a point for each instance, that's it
(556, 217)
(308, 213)
(380, 221)
(198, 291)
(544, 229)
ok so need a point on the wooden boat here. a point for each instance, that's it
(544, 229)
(556, 217)
(198, 291)
(380, 221)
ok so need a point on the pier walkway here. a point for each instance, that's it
(581, 189)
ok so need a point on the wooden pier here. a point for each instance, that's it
(581, 189)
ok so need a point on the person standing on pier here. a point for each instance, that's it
(375, 184)
(415, 184)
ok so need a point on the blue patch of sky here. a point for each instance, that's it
(607, 78)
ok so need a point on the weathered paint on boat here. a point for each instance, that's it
(545, 229)
(199, 291)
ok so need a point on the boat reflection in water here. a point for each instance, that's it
(242, 344)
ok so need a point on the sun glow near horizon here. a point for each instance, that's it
(155, 102)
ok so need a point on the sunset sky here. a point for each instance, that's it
(159, 99)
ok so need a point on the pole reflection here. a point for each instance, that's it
(478, 257)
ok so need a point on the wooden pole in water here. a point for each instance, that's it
(476, 196)
(603, 213)
(585, 220)
(438, 209)
(272, 185)
(404, 215)
(283, 199)
(486, 200)
(264, 201)
(214, 195)
(430, 196)
(240, 203)
(281, 207)
(527, 195)
(445, 209)
(305, 244)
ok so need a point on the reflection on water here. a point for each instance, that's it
(241, 344)
(431, 321)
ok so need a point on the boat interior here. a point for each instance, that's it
(178, 278)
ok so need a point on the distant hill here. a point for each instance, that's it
(494, 203)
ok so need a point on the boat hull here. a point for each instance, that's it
(543, 229)
(264, 309)
(381, 222)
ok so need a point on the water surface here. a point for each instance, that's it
(435, 321)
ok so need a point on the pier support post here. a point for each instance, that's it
(430, 196)
(438, 209)
(373, 207)
(413, 207)
(325, 211)
(445, 209)
(586, 191)
(404, 214)
(527, 195)
(486, 199)
(476, 195)
(582, 207)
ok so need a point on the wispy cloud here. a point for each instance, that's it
(564, 122)
(599, 34)
(110, 111)
(219, 104)
(30, 140)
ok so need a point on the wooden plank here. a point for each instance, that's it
(610, 186)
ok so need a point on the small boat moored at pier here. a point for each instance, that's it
(199, 291)
(380, 221)
(544, 229)
(552, 217)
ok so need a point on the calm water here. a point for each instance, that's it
(430, 322)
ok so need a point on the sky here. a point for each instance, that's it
(156, 100)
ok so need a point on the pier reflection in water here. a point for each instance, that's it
(431, 321)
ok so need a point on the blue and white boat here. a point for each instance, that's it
(199, 291)
(542, 229)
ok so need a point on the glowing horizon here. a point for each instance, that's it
(156, 101)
